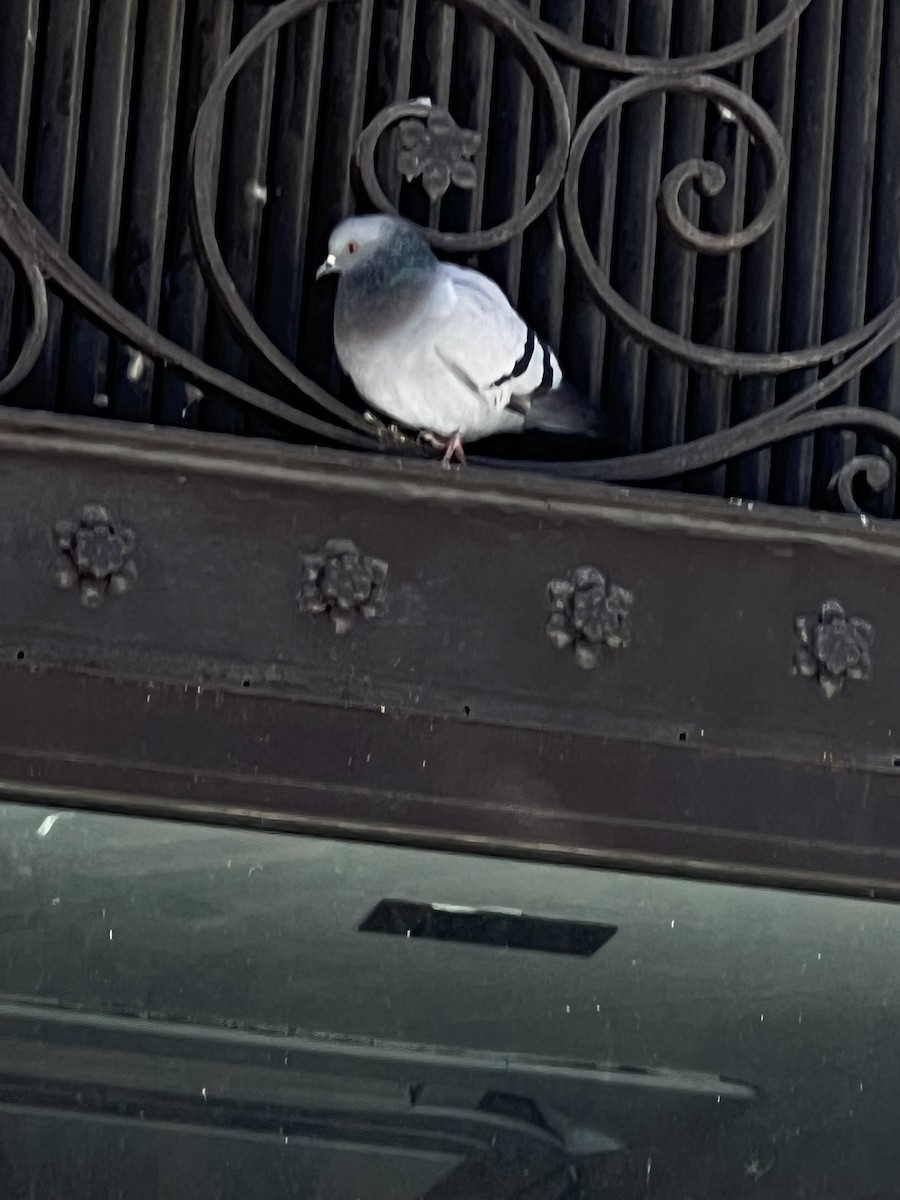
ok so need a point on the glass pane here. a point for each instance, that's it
(199, 1012)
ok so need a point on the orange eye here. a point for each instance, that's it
(352, 247)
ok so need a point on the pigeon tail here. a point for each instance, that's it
(564, 411)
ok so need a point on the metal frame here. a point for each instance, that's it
(730, 720)
(359, 644)
(440, 153)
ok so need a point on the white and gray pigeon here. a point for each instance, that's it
(437, 347)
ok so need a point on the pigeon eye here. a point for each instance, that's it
(352, 247)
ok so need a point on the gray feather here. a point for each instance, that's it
(564, 411)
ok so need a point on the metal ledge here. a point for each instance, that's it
(730, 723)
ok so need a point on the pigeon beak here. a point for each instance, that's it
(328, 267)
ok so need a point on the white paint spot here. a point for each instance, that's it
(203, 1092)
(100, 400)
(257, 191)
(137, 364)
(47, 824)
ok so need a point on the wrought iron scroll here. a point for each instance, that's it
(41, 259)
(538, 45)
(849, 354)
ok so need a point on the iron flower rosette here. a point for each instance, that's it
(588, 614)
(344, 583)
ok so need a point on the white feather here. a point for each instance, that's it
(449, 367)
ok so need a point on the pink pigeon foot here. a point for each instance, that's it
(452, 447)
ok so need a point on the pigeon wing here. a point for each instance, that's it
(483, 340)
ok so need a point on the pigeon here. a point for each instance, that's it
(438, 347)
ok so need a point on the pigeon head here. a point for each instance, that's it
(381, 242)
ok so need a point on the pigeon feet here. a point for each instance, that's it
(452, 447)
(390, 436)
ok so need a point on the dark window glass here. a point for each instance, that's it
(218, 1014)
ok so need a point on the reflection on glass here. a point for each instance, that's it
(212, 1013)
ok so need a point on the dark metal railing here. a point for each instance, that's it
(697, 201)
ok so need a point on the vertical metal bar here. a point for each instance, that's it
(393, 76)
(243, 196)
(851, 216)
(810, 205)
(676, 267)
(775, 81)
(470, 103)
(17, 54)
(543, 301)
(440, 32)
(341, 116)
(101, 172)
(185, 298)
(284, 264)
(637, 224)
(17, 57)
(606, 23)
(344, 116)
(715, 316)
(510, 175)
(882, 382)
(142, 249)
(286, 260)
(432, 73)
(63, 37)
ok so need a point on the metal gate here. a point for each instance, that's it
(697, 201)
